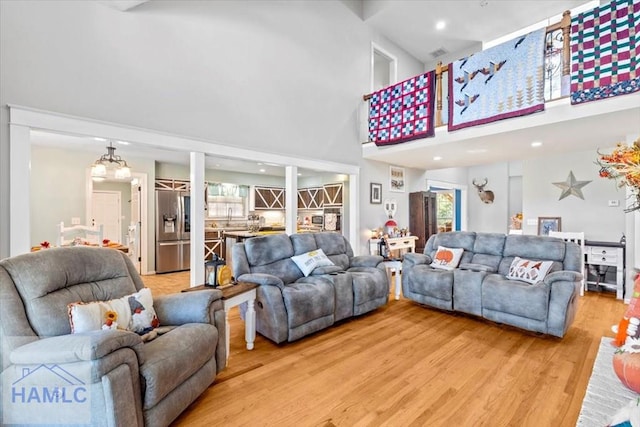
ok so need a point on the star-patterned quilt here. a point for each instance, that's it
(403, 111)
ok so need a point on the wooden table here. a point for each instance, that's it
(233, 296)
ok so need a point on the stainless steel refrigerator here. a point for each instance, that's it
(173, 226)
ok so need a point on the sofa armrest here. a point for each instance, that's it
(565, 275)
(262, 279)
(186, 307)
(74, 347)
(365, 261)
(410, 259)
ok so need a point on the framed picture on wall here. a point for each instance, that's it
(375, 196)
(396, 179)
(548, 223)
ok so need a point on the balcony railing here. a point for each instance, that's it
(557, 68)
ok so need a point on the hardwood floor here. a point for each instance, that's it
(405, 365)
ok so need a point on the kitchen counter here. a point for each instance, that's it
(241, 235)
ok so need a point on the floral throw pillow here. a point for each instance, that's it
(132, 312)
(528, 270)
(307, 262)
(447, 258)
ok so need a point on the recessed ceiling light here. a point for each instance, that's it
(441, 25)
(263, 170)
(299, 174)
(100, 139)
(123, 142)
(436, 158)
(536, 144)
(217, 165)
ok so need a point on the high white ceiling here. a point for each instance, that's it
(562, 128)
(410, 24)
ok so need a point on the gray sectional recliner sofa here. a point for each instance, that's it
(480, 286)
(289, 305)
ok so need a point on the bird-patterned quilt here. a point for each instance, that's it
(503, 81)
(403, 111)
(605, 46)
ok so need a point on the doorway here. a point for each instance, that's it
(384, 68)
(451, 205)
(134, 216)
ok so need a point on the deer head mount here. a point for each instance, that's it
(485, 195)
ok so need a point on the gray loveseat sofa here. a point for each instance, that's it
(100, 377)
(480, 286)
(289, 305)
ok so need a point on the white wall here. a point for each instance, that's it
(283, 77)
(591, 215)
(58, 190)
(494, 217)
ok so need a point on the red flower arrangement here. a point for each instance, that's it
(623, 166)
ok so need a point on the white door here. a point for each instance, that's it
(106, 210)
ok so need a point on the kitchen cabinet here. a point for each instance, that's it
(213, 244)
(310, 198)
(269, 197)
(332, 195)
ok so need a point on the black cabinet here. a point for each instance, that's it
(423, 221)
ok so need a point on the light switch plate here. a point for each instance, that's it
(75, 220)
(532, 221)
(614, 203)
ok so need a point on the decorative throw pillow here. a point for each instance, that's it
(310, 260)
(528, 271)
(132, 312)
(447, 258)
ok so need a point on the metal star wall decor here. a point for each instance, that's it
(571, 187)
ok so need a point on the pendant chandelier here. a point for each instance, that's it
(110, 160)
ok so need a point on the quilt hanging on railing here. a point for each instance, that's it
(504, 81)
(605, 44)
(403, 111)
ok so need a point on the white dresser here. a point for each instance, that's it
(600, 258)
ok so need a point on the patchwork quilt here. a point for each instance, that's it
(403, 111)
(504, 81)
(604, 51)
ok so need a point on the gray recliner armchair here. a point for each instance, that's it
(103, 377)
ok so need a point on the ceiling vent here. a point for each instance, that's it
(438, 52)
